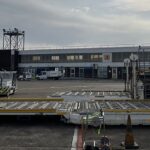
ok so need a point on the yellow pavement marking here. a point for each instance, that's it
(32, 99)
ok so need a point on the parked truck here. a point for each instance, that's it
(53, 74)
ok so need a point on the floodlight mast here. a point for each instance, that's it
(13, 39)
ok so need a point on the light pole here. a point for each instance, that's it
(126, 64)
(134, 59)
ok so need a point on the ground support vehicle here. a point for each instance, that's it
(53, 74)
(26, 76)
(7, 83)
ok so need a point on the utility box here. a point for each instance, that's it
(140, 90)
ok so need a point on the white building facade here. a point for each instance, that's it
(105, 63)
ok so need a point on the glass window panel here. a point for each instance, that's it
(55, 58)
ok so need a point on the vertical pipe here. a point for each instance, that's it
(125, 82)
(144, 72)
(23, 39)
(139, 68)
(104, 126)
(134, 79)
(3, 39)
(144, 62)
(17, 42)
(127, 68)
(131, 78)
(10, 42)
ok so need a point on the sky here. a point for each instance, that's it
(77, 23)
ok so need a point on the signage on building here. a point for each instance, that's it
(107, 57)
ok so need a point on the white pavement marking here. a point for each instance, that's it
(44, 106)
(109, 105)
(74, 140)
(79, 105)
(86, 105)
(103, 93)
(61, 93)
(135, 107)
(33, 105)
(76, 106)
(123, 107)
(55, 105)
(110, 93)
(22, 105)
(98, 106)
(83, 93)
(12, 105)
(2, 105)
(69, 93)
(76, 93)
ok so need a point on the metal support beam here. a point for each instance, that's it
(13, 39)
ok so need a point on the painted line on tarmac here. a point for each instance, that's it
(80, 140)
(74, 140)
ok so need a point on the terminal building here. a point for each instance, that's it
(103, 62)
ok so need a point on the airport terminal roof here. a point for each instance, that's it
(84, 50)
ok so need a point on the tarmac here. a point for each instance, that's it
(48, 132)
(43, 88)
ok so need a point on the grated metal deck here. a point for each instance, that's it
(116, 111)
(62, 107)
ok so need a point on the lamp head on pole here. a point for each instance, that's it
(133, 57)
(126, 62)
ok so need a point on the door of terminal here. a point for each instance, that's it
(81, 72)
(114, 73)
(72, 72)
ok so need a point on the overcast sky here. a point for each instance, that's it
(73, 23)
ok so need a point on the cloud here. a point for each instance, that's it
(68, 22)
(84, 9)
(136, 5)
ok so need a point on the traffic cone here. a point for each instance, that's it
(129, 137)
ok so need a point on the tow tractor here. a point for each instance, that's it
(7, 83)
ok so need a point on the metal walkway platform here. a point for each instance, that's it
(59, 106)
(115, 111)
